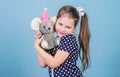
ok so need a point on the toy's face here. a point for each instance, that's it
(46, 28)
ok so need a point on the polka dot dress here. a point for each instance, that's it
(68, 44)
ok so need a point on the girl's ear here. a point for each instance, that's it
(53, 20)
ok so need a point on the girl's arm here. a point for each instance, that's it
(51, 61)
(41, 61)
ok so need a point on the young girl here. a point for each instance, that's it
(62, 62)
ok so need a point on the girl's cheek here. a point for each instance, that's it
(57, 27)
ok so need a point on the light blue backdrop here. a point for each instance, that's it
(18, 57)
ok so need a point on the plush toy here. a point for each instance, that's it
(45, 26)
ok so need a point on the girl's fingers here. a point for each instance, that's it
(36, 36)
(41, 37)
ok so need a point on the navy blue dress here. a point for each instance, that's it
(68, 44)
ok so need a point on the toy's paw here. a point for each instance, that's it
(57, 41)
(35, 24)
(44, 44)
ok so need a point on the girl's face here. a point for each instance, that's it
(64, 25)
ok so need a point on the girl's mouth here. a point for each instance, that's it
(61, 33)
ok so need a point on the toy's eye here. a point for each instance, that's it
(43, 26)
(49, 28)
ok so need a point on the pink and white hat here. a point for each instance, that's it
(44, 17)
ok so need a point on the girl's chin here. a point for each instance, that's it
(60, 35)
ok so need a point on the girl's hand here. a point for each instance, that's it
(37, 40)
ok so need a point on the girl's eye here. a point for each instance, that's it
(68, 27)
(60, 23)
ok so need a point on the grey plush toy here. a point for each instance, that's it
(44, 26)
(48, 41)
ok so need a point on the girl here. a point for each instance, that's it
(62, 62)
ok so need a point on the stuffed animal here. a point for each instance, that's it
(45, 26)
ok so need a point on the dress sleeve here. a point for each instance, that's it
(68, 43)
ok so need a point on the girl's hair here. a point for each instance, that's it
(84, 34)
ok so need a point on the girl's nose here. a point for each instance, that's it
(63, 29)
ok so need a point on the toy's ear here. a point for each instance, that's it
(35, 24)
(53, 20)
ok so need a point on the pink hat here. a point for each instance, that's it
(44, 17)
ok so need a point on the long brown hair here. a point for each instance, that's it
(84, 34)
(84, 39)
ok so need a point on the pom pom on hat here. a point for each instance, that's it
(44, 17)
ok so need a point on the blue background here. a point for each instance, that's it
(18, 57)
